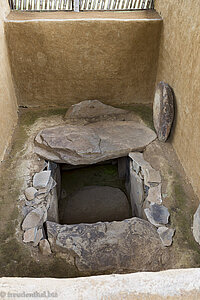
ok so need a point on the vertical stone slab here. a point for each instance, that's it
(136, 190)
(163, 110)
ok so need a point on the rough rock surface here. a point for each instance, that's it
(33, 235)
(144, 185)
(41, 180)
(76, 144)
(96, 203)
(92, 110)
(157, 214)
(163, 110)
(135, 187)
(39, 236)
(35, 218)
(44, 247)
(29, 235)
(166, 235)
(154, 194)
(129, 245)
(30, 193)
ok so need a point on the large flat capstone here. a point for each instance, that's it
(93, 111)
(129, 245)
(92, 143)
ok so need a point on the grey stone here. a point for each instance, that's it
(39, 236)
(166, 235)
(95, 203)
(129, 245)
(154, 194)
(26, 210)
(140, 165)
(92, 110)
(44, 247)
(157, 214)
(196, 225)
(163, 110)
(76, 144)
(29, 235)
(138, 161)
(35, 218)
(52, 206)
(34, 202)
(41, 180)
(30, 193)
(151, 176)
(33, 235)
(44, 191)
(136, 191)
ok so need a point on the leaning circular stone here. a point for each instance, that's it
(163, 110)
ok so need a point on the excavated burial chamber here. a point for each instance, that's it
(103, 192)
(93, 194)
(100, 193)
(85, 205)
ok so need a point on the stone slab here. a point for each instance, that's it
(41, 180)
(136, 191)
(92, 110)
(163, 110)
(129, 245)
(30, 193)
(89, 144)
(166, 235)
(35, 218)
(157, 214)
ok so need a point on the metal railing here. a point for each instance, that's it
(80, 5)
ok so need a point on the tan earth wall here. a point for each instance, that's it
(179, 65)
(59, 59)
(8, 103)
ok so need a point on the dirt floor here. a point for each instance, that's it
(18, 259)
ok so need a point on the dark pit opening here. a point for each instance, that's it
(93, 193)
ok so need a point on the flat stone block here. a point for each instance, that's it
(157, 214)
(41, 180)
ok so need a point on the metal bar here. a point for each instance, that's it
(125, 4)
(57, 4)
(83, 4)
(112, 4)
(117, 3)
(77, 5)
(96, 5)
(106, 4)
(133, 4)
(38, 5)
(92, 5)
(120, 4)
(87, 4)
(137, 4)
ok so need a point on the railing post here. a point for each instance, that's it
(76, 5)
